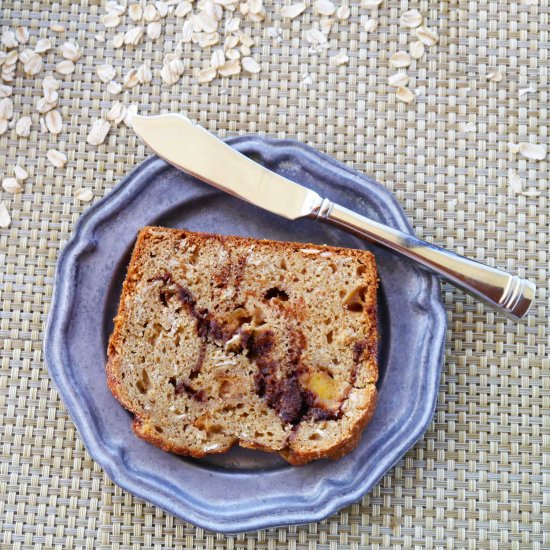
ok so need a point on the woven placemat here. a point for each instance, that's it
(479, 476)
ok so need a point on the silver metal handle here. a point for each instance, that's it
(507, 293)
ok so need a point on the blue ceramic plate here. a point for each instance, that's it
(242, 490)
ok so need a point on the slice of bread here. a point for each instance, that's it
(226, 340)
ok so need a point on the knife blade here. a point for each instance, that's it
(190, 147)
(194, 150)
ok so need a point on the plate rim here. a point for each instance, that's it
(82, 239)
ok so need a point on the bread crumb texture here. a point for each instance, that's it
(227, 340)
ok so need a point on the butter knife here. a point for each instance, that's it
(192, 149)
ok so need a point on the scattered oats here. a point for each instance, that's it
(341, 58)
(522, 91)
(43, 45)
(326, 25)
(245, 50)
(117, 112)
(131, 79)
(65, 67)
(114, 87)
(153, 30)
(513, 148)
(325, 7)
(23, 126)
(233, 54)
(250, 65)
(207, 39)
(83, 194)
(106, 73)
(114, 7)
(11, 59)
(315, 36)
(495, 76)
(187, 32)
(9, 40)
(57, 27)
(206, 22)
(404, 94)
(230, 68)
(118, 40)
(71, 51)
(229, 5)
(20, 173)
(343, 12)
(3, 125)
(244, 8)
(133, 36)
(150, 13)
(6, 108)
(428, 37)
(172, 71)
(246, 40)
(469, 127)
(130, 112)
(515, 181)
(10, 185)
(22, 35)
(293, 11)
(57, 158)
(176, 66)
(54, 122)
(233, 24)
(398, 80)
(3, 56)
(8, 75)
(5, 218)
(371, 4)
(255, 6)
(43, 105)
(532, 151)
(257, 17)
(5, 90)
(207, 75)
(400, 59)
(25, 55)
(218, 58)
(33, 65)
(110, 20)
(417, 49)
(371, 25)
(162, 8)
(98, 132)
(182, 9)
(144, 74)
(231, 42)
(135, 11)
(411, 19)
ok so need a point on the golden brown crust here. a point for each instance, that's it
(142, 430)
(342, 448)
(295, 456)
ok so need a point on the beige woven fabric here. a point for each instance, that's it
(479, 477)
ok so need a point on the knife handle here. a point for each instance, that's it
(507, 293)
